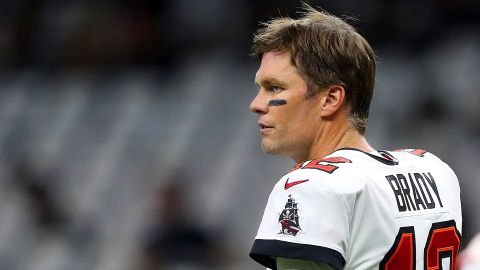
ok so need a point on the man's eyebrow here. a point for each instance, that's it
(269, 81)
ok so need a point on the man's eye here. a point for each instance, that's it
(277, 89)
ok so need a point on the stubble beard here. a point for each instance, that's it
(284, 147)
(291, 147)
(272, 149)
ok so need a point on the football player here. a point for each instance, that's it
(344, 205)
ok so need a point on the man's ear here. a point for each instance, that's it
(332, 100)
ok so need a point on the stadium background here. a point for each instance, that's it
(120, 119)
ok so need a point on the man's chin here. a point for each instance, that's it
(271, 149)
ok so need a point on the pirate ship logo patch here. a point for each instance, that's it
(289, 219)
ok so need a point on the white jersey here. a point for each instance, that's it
(357, 210)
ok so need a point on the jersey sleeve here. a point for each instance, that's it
(288, 264)
(307, 217)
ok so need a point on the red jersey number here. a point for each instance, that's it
(443, 243)
(326, 164)
(441, 248)
(402, 254)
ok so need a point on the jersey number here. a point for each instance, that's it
(324, 165)
(440, 251)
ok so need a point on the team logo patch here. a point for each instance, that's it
(289, 219)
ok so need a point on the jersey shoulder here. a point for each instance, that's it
(345, 162)
(338, 172)
(421, 157)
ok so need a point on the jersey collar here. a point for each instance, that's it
(385, 157)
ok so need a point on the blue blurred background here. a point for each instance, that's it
(126, 140)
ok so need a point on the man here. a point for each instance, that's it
(344, 205)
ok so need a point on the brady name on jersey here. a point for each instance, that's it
(414, 195)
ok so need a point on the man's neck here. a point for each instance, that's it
(334, 139)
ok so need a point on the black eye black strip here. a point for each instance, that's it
(277, 102)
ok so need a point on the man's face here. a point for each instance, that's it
(289, 123)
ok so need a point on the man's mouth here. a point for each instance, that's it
(264, 127)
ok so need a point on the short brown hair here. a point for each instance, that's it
(327, 51)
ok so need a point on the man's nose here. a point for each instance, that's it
(259, 104)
